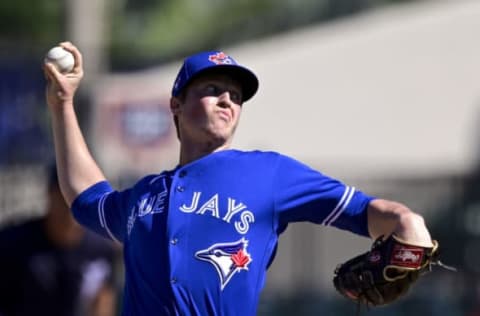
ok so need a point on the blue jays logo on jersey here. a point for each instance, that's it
(227, 258)
(221, 58)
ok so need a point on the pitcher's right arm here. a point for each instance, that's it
(77, 170)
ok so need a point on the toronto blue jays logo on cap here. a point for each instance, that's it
(227, 258)
(221, 58)
(197, 64)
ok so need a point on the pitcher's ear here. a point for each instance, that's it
(174, 105)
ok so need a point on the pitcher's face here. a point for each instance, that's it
(209, 110)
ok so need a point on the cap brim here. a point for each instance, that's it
(244, 76)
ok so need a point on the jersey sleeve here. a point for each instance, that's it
(304, 194)
(103, 210)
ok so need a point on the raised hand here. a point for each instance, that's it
(61, 87)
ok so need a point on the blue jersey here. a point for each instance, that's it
(198, 239)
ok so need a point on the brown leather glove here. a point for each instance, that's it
(385, 273)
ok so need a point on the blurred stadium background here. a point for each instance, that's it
(384, 95)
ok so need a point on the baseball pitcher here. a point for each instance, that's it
(198, 239)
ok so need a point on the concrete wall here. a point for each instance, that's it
(391, 92)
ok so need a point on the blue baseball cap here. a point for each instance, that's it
(215, 62)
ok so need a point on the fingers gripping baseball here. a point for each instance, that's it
(61, 87)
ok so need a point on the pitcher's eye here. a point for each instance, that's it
(212, 90)
(235, 97)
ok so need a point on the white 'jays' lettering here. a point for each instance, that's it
(211, 206)
(245, 218)
(233, 209)
(193, 206)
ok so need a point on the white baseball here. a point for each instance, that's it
(61, 58)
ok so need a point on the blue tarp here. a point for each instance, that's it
(24, 129)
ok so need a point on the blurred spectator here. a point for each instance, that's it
(52, 266)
